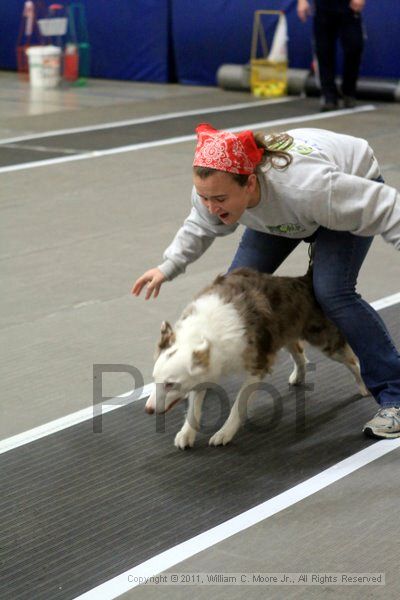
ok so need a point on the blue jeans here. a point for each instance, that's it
(338, 257)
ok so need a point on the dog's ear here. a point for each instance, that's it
(200, 358)
(167, 337)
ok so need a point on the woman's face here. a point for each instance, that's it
(224, 197)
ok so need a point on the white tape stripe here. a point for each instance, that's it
(385, 302)
(87, 413)
(142, 120)
(177, 140)
(313, 117)
(73, 419)
(126, 581)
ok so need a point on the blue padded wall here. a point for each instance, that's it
(210, 33)
(382, 46)
(148, 40)
(10, 14)
(129, 38)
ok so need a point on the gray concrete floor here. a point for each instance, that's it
(345, 528)
(75, 236)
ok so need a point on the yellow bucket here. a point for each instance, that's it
(268, 79)
(268, 72)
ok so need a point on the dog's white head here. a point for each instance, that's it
(179, 367)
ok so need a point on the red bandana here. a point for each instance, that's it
(225, 151)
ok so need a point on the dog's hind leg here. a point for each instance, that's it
(346, 356)
(186, 436)
(298, 374)
(237, 415)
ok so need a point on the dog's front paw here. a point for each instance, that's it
(221, 438)
(297, 377)
(364, 391)
(185, 438)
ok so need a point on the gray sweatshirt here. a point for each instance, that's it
(328, 184)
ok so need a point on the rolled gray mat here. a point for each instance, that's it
(237, 77)
(368, 88)
(234, 77)
(297, 81)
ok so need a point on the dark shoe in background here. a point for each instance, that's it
(329, 105)
(349, 102)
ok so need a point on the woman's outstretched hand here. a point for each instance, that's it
(154, 279)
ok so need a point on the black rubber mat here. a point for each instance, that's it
(103, 139)
(15, 155)
(79, 507)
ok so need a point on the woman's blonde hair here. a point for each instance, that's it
(275, 146)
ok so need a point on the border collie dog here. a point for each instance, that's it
(238, 324)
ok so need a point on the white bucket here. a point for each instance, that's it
(44, 66)
(54, 26)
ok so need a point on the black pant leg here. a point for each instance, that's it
(352, 41)
(326, 34)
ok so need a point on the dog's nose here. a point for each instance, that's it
(149, 410)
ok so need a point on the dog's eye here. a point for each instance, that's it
(168, 385)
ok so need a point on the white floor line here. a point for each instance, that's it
(142, 120)
(157, 564)
(385, 302)
(73, 419)
(176, 140)
(132, 396)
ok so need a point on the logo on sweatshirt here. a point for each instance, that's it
(286, 228)
(301, 148)
(296, 146)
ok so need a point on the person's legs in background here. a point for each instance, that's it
(352, 41)
(325, 37)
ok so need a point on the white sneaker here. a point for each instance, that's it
(385, 424)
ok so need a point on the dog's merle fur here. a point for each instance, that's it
(270, 313)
